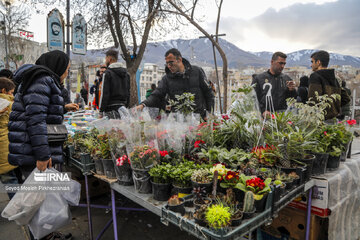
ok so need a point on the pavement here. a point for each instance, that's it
(131, 225)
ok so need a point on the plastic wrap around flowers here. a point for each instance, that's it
(143, 157)
(123, 160)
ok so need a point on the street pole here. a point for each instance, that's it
(5, 39)
(216, 69)
(68, 41)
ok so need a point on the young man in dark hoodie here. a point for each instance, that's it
(323, 81)
(115, 87)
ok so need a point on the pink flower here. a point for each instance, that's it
(290, 122)
(325, 133)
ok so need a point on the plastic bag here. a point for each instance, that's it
(53, 214)
(24, 205)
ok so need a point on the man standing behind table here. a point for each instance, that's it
(323, 81)
(282, 85)
(182, 77)
(115, 87)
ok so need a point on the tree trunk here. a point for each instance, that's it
(134, 100)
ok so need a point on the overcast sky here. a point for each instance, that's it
(276, 25)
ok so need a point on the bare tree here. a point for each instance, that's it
(189, 13)
(16, 17)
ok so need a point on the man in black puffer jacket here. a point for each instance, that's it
(115, 87)
(282, 85)
(182, 77)
(37, 103)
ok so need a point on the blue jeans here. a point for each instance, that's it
(9, 178)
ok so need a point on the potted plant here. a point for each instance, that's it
(279, 189)
(142, 158)
(183, 103)
(229, 200)
(161, 181)
(259, 187)
(218, 216)
(123, 171)
(104, 150)
(176, 204)
(248, 206)
(199, 215)
(200, 197)
(202, 178)
(181, 176)
(229, 180)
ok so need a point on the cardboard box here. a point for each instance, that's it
(292, 223)
(319, 201)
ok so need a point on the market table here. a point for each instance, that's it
(157, 207)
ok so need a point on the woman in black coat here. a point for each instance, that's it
(37, 103)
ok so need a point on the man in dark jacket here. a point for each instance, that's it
(282, 85)
(303, 89)
(115, 87)
(182, 77)
(84, 94)
(323, 81)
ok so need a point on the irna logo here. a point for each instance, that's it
(51, 177)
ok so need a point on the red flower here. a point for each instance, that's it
(225, 117)
(197, 143)
(325, 133)
(163, 153)
(256, 183)
(290, 122)
(351, 122)
(272, 116)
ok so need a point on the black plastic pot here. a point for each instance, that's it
(260, 204)
(300, 171)
(207, 186)
(178, 208)
(247, 215)
(124, 174)
(289, 185)
(201, 222)
(161, 191)
(236, 222)
(99, 167)
(319, 163)
(308, 160)
(333, 163)
(278, 191)
(141, 179)
(182, 191)
(343, 156)
(109, 168)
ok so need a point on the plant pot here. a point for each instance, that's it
(308, 160)
(278, 191)
(141, 179)
(289, 184)
(260, 204)
(299, 171)
(180, 208)
(182, 191)
(236, 221)
(343, 156)
(99, 167)
(333, 163)
(200, 222)
(319, 163)
(247, 215)
(207, 201)
(124, 174)
(161, 191)
(109, 168)
(207, 186)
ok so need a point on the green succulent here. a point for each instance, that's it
(218, 216)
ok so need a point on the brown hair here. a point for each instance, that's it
(7, 84)
(278, 54)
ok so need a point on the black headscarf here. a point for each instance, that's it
(57, 61)
(52, 64)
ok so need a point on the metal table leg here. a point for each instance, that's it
(308, 219)
(113, 208)
(88, 208)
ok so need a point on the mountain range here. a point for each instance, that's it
(200, 52)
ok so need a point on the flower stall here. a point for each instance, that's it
(223, 177)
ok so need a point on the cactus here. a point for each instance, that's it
(248, 201)
(174, 200)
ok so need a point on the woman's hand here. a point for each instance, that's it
(42, 165)
(71, 107)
